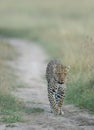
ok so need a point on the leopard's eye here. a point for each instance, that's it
(65, 73)
(59, 73)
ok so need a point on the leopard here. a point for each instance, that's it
(56, 76)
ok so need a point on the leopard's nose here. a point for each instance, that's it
(62, 82)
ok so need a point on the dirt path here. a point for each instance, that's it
(31, 69)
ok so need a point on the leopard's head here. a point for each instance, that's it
(61, 73)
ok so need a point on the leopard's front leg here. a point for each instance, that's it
(61, 100)
(51, 97)
(60, 105)
(53, 104)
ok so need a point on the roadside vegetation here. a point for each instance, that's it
(65, 28)
(11, 108)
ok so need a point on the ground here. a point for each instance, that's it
(30, 67)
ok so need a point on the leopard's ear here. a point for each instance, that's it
(67, 68)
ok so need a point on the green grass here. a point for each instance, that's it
(65, 28)
(9, 105)
(33, 110)
(12, 118)
(11, 108)
(81, 93)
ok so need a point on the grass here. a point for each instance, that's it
(11, 108)
(9, 105)
(12, 119)
(65, 29)
(34, 110)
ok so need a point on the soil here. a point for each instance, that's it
(30, 67)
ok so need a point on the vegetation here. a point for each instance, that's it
(65, 29)
(33, 110)
(9, 105)
(11, 108)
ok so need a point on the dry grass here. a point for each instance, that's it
(9, 105)
(11, 108)
(7, 53)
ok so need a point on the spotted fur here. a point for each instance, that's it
(56, 74)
